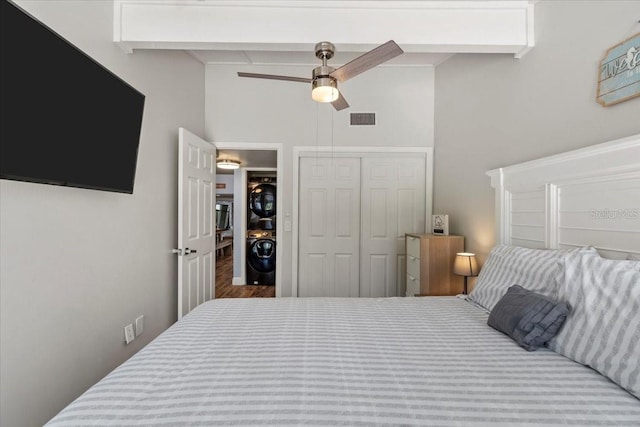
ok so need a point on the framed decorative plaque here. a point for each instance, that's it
(619, 78)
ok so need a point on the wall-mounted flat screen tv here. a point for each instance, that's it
(65, 119)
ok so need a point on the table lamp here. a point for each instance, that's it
(465, 265)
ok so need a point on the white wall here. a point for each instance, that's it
(256, 110)
(78, 265)
(227, 180)
(493, 110)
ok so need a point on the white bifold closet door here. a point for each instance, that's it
(353, 213)
(392, 204)
(329, 227)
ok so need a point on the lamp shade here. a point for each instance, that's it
(465, 264)
(228, 164)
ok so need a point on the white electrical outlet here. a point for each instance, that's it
(128, 333)
(139, 325)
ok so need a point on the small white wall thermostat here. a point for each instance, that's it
(440, 224)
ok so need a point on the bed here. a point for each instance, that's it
(425, 360)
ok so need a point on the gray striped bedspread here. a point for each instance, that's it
(346, 361)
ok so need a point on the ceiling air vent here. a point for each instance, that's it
(363, 119)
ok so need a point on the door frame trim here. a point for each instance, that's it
(278, 148)
(355, 151)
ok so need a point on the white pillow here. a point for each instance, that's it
(603, 328)
(539, 270)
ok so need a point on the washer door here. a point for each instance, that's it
(262, 255)
(262, 200)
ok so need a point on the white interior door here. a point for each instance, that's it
(196, 221)
(393, 203)
(329, 227)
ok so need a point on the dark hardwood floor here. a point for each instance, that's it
(224, 278)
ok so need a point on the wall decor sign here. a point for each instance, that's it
(619, 78)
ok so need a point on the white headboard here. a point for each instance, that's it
(589, 196)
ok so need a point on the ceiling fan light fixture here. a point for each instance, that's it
(324, 78)
(324, 89)
(228, 164)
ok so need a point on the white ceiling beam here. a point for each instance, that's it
(356, 26)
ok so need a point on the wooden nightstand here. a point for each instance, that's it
(430, 264)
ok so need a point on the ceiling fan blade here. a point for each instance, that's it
(365, 62)
(274, 77)
(340, 103)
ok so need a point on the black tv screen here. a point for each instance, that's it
(65, 119)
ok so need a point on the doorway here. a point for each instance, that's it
(197, 234)
(232, 279)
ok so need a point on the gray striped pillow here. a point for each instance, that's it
(603, 329)
(539, 270)
(530, 319)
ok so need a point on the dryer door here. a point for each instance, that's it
(262, 255)
(262, 200)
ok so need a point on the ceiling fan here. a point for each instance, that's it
(324, 78)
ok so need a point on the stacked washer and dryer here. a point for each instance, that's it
(261, 233)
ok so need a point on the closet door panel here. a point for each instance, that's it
(379, 274)
(344, 283)
(317, 205)
(329, 227)
(316, 279)
(377, 213)
(393, 203)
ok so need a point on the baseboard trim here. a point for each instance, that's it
(237, 281)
